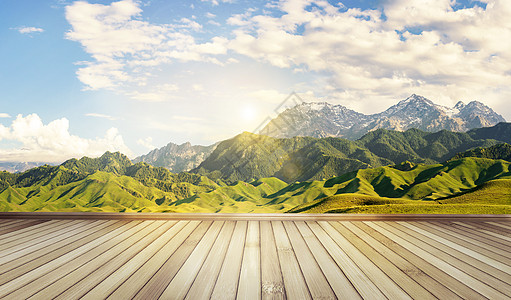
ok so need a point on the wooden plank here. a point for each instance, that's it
(226, 285)
(13, 263)
(31, 240)
(410, 286)
(490, 227)
(474, 287)
(39, 243)
(365, 287)
(159, 282)
(249, 286)
(481, 236)
(140, 277)
(182, 281)
(452, 258)
(76, 268)
(15, 223)
(477, 233)
(106, 278)
(505, 225)
(417, 268)
(468, 241)
(8, 237)
(339, 283)
(20, 225)
(317, 283)
(501, 235)
(271, 275)
(294, 281)
(487, 226)
(111, 238)
(463, 244)
(385, 284)
(467, 264)
(202, 287)
(16, 268)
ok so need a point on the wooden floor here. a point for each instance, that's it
(227, 258)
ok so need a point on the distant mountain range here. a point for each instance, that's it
(177, 158)
(398, 170)
(327, 120)
(15, 167)
(112, 183)
(249, 156)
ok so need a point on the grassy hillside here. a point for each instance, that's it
(98, 192)
(248, 156)
(500, 132)
(464, 185)
(500, 151)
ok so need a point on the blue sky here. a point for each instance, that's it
(79, 78)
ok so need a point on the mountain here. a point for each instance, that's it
(177, 158)
(327, 120)
(466, 182)
(500, 132)
(467, 185)
(500, 151)
(36, 182)
(16, 167)
(250, 156)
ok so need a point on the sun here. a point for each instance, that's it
(248, 113)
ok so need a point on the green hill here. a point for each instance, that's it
(248, 156)
(474, 181)
(466, 185)
(108, 183)
(500, 132)
(500, 151)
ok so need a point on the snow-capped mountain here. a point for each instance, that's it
(177, 158)
(321, 119)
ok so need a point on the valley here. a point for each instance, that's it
(382, 171)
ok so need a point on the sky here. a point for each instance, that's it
(78, 78)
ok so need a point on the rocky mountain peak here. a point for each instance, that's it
(322, 119)
(460, 105)
(177, 158)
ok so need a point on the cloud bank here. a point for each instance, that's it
(52, 142)
(438, 48)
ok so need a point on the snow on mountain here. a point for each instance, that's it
(322, 119)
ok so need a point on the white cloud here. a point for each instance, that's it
(53, 142)
(147, 143)
(4, 115)
(216, 2)
(420, 46)
(125, 49)
(210, 15)
(102, 116)
(416, 46)
(28, 30)
(214, 23)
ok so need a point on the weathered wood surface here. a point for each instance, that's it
(244, 257)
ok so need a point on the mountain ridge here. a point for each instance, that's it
(177, 158)
(249, 156)
(321, 119)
